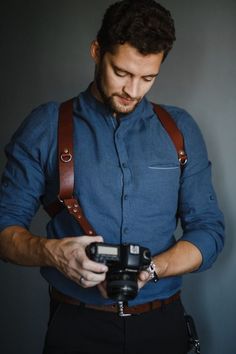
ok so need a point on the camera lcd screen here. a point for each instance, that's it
(113, 251)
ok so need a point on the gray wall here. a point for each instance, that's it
(45, 56)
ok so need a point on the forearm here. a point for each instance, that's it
(180, 259)
(19, 246)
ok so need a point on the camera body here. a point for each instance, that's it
(124, 261)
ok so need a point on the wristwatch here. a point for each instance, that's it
(152, 272)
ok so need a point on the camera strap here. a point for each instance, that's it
(66, 197)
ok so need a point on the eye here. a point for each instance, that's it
(148, 78)
(120, 73)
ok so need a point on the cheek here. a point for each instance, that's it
(112, 83)
(146, 87)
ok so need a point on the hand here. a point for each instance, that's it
(143, 278)
(69, 257)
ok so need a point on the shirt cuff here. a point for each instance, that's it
(206, 245)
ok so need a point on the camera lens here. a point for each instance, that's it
(122, 286)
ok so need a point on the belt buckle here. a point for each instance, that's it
(121, 313)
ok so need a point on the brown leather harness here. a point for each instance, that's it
(66, 197)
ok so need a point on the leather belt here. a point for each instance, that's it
(138, 309)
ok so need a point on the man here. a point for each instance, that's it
(131, 188)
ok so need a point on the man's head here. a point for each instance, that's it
(144, 24)
(134, 39)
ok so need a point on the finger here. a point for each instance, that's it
(93, 277)
(141, 284)
(92, 266)
(144, 276)
(87, 283)
(86, 240)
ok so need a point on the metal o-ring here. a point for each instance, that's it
(66, 157)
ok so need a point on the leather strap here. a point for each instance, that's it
(65, 150)
(66, 168)
(66, 161)
(142, 308)
(173, 131)
(75, 210)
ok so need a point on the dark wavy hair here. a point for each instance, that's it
(144, 24)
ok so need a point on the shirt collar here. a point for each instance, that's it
(103, 109)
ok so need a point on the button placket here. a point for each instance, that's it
(126, 180)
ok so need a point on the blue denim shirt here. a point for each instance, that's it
(128, 181)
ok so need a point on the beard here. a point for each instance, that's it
(117, 102)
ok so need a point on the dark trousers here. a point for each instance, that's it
(75, 330)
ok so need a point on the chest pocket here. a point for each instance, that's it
(157, 185)
(156, 166)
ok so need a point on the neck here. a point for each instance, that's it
(95, 92)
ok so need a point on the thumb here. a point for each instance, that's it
(91, 239)
(143, 276)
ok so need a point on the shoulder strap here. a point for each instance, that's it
(65, 150)
(66, 161)
(173, 131)
(66, 166)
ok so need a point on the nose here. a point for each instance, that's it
(131, 88)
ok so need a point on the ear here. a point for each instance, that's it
(95, 51)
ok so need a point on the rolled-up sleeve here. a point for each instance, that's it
(201, 219)
(23, 179)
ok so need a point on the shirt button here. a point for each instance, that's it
(125, 197)
(126, 230)
(124, 165)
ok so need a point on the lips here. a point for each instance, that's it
(125, 101)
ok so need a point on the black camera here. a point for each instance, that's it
(124, 262)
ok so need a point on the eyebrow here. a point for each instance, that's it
(115, 67)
